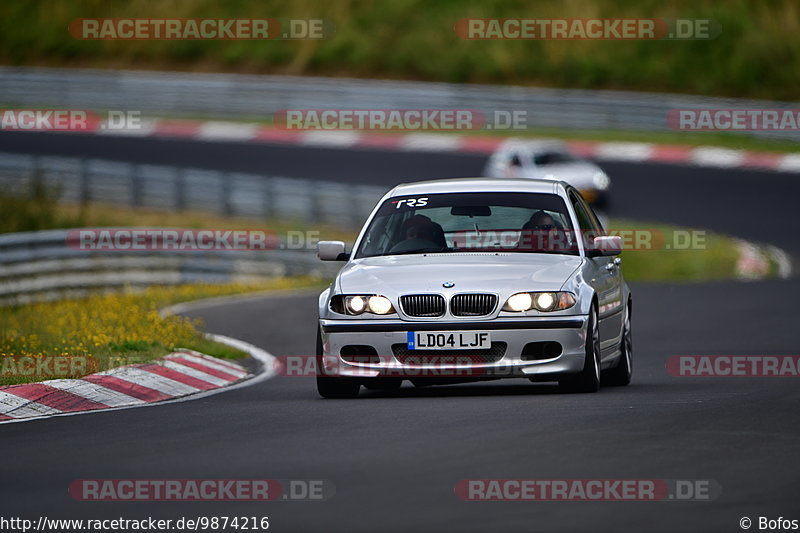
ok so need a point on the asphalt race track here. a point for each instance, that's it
(395, 458)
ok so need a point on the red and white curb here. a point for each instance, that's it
(179, 376)
(703, 156)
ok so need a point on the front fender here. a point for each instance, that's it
(583, 291)
(626, 293)
(324, 297)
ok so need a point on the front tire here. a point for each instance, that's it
(621, 374)
(588, 379)
(337, 388)
(333, 387)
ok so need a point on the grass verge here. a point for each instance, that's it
(676, 253)
(72, 338)
(755, 54)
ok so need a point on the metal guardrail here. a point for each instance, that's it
(259, 97)
(176, 188)
(40, 266)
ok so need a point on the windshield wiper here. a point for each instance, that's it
(428, 250)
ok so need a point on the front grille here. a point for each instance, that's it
(423, 305)
(448, 357)
(473, 304)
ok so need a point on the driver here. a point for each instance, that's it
(542, 233)
(541, 221)
(420, 232)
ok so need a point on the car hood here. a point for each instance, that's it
(504, 273)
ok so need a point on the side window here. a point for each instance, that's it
(384, 233)
(592, 217)
(589, 226)
(584, 222)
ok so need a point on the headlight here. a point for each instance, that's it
(601, 181)
(544, 301)
(380, 305)
(358, 304)
(519, 302)
(355, 305)
(541, 301)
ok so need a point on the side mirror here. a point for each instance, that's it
(332, 251)
(605, 245)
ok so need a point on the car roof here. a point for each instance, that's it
(454, 185)
(535, 145)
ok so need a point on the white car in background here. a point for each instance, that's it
(550, 159)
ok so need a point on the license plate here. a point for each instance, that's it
(447, 340)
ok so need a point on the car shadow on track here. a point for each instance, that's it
(472, 389)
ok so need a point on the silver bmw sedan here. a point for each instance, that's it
(475, 279)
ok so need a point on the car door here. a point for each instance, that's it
(607, 278)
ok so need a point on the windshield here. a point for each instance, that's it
(470, 222)
(553, 158)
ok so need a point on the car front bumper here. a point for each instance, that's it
(387, 337)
